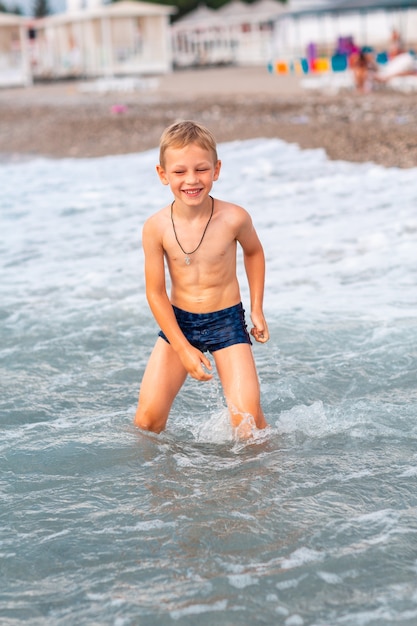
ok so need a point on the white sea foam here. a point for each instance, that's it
(300, 557)
(337, 236)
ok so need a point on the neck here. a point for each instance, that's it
(188, 254)
(196, 211)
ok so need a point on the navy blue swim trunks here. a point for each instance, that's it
(209, 332)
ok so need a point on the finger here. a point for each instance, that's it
(205, 361)
(263, 335)
(260, 335)
(201, 375)
(206, 365)
(204, 374)
(257, 332)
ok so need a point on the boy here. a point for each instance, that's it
(197, 236)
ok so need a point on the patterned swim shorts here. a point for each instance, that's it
(213, 331)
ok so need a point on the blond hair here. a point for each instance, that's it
(181, 134)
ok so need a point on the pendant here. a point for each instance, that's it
(187, 260)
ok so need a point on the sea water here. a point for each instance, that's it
(313, 521)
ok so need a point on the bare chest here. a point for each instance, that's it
(205, 247)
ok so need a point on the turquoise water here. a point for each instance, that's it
(311, 523)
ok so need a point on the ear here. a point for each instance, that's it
(217, 169)
(162, 176)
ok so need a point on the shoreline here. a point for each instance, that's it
(82, 119)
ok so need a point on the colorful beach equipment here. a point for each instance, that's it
(319, 65)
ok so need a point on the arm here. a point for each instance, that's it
(254, 260)
(156, 294)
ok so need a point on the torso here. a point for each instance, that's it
(209, 283)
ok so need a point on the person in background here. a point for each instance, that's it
(396, 45)
(401, 62)
(364, 69)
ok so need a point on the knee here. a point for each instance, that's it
(146, 421)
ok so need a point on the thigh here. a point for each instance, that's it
(239, 379)
(164, 375)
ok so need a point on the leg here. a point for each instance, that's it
(360, 78)
(237, 372)
(163, 378)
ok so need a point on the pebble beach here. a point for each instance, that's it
(92, 119)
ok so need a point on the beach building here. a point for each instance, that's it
(198, 38)
(119, 39)
(237, 33)
(301, 5)
(14, 51)
(316, 29)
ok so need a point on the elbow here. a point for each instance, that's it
(154, 296)
(151, 298)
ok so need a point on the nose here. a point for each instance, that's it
(191, 178)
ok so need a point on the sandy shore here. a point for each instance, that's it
(73, 119)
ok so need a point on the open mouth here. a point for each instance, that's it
(191, 192)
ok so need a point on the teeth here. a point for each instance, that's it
(192, 192)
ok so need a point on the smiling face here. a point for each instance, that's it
(190, 172)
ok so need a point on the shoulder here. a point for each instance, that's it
(154, 228)
(156, 222)
(234, 213)
(240, 223)
(236, 218)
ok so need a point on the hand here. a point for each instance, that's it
(260, 330)
(196, 363)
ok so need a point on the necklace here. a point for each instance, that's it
(188, 254)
